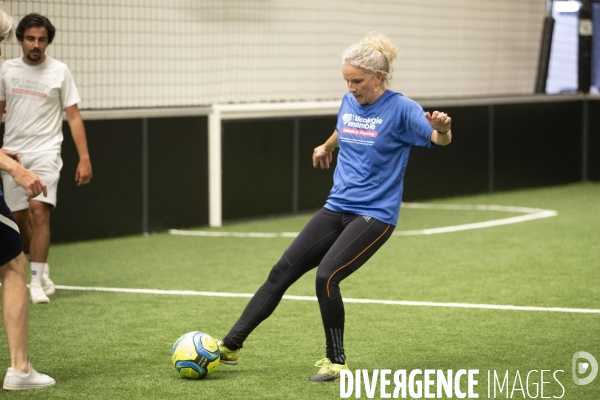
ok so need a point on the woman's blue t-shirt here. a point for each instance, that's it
(374, 143)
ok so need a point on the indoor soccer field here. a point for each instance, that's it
(508, 289)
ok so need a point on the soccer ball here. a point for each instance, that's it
(195, 355)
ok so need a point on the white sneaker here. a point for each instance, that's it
(37, 294)
(17, 380)
(47, 283)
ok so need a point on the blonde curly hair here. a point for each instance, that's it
(7, 26)
(373, 54)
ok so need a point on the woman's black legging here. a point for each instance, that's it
(339, 244)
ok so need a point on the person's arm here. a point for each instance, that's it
(440, 122)
(83, 174)
(33, 185)
(2, 107)
(323, 154)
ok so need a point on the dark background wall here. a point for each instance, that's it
(267, 166)
(458, 169)
(111, 204)
(257, 164)
(533, 149)
(151, 174)
(593, 141)
(148, 175)
(177, 172)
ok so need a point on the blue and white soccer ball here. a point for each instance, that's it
(195, 355)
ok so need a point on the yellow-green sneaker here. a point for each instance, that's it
(328, 372)
(228, 356)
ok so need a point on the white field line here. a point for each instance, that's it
(233, 234)
(530, 214)
(309, 298)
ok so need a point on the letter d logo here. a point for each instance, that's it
(582, 368)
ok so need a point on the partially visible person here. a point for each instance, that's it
(15, 302)
(35, 89)
(375, 130)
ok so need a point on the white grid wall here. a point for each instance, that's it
(175, 53)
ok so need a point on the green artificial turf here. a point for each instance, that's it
(107, 345)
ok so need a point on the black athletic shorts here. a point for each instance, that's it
(10, 239)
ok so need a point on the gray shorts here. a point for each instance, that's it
(47, 166)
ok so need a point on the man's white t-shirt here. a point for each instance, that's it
(35, 96)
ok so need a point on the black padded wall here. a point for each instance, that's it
(314, 183)
(593, 147)
(177, 172)
(457, 169)
(267, 165)
(110, 205)
(537, 144)
(257, 165)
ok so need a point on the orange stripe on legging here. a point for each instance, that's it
(351, 261)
